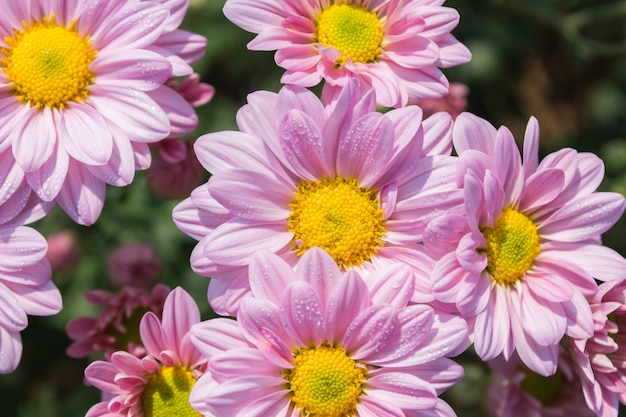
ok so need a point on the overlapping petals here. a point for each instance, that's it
(558, 195)
(403, 347)
(290, 137)
(124, 377)
(416, 42)
(67, 154)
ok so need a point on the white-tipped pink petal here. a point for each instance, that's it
(34, 139)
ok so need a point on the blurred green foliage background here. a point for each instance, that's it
(563, 61)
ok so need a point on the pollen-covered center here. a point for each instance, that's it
(512, 246)
(48, 64)
(325, 382)
(167, 393)
(352, 30)
(338, 216)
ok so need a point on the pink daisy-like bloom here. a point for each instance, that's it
(393, 46)
(312, 342)
(361, 185)
(522, 259)
(159, 383)
(516, 391)
(82, 93)
(117, 325)
(25, 285)
(601, 359)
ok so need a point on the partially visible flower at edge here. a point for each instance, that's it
(159, 383)
(520, 262)
(393, 46)
(63, 250)
(454, 103)
(89, 123)
(315, 342)
(601, 359)
(117, 325)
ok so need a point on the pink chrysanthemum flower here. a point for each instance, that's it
(25, 285)
(601, 360)
(352, 181)
(516, 391)
(82, 93)
(393, 46)
(117, 325)
(316, 343)
(159, 383)
(522, 259)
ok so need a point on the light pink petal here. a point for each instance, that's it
(11, 176)
(302, 144)
(41, 300)
(540, 359)
(443, 234)
(120, 168)
(102, 374)
(48, 180)
(415, 323)
(82, 195)
(239, 392)
(550, 288)
(135, 26)
(472, 132)
(218, 335)
(531, 147)
(470, 253)
(452, 52)
(541, 188)
(543, 321)
(584, 218)
(181, 45)
(10, 350)
(303, 314)
(412, 52)
(346, 302)
(446, 278)
(180, 312)
(233, 243)
(32, 275)
(239, 362)
(21, 246)
(277, 404)
(596, 260)
(319, 269)
(255, 15)
(182, 117)
(377, 407)
(34, 139)
(138, 69)
(370, 331)
(391, 285)
(269, 275)
(365, 149)
(579, 317)
(224, 295)
(508, 165)
(12, 316)
(143, 119)
(261, 323)
(84, 134)
(492, 326)
(403, 390)
(438, 134)
(252, 194)
(152, 334)
(441, 373)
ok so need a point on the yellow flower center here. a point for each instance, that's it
(325, 382)
(48, 64)
(352, 30)
(167, 393)
(338, 216)
(512, 246)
